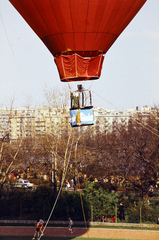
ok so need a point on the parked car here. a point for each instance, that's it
(24, 183)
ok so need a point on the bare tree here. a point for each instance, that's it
(56, 97)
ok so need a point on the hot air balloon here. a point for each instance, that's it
(78, 32)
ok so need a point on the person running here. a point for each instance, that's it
(70, 226)
(41, 226)
(38, 225)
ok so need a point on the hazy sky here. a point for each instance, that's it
(130, 74)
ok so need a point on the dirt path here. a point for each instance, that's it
(81, 232)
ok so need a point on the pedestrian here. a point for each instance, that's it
(72, 186)
(37, 231)
(103, 218)
(112, 219)
(67, 184)
(70, 226)
(41, 226)
(121, 212)
(151, 191)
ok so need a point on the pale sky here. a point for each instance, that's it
(130, 74)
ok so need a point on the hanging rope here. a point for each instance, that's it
(105, 100)
(80, 192)
(143, 125)
(134, 118)
(60, 186)
(79, 181)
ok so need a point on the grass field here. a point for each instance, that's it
(55, 238)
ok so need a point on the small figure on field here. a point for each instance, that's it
(72, 186)
(38, 225)
(41, 226)
(70, 226)
(103, 218)
(67, 184)
(151, 191)
(112, 219)
(121, 212)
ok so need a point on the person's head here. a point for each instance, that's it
(69, 218)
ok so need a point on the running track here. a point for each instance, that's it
(81, 232)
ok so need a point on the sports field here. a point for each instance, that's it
(60, 233)
(55, 238)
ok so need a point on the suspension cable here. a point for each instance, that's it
(84, 216)
(60, 186)
(133, 117)
(79, 181)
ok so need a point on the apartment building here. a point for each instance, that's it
(107, 120)
(23, 121)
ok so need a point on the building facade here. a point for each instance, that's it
(24, 122)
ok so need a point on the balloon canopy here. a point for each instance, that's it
(78, 32)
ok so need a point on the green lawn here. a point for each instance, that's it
(55, 238)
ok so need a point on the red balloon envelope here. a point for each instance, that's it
(78, 32)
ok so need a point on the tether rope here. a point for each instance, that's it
(105, 99)
(142, 124)
(63, 182)
(80, 193)
(134, 118)
(60, 186)
(79, 181)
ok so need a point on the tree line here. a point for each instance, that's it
(98, 200)
(129, 153)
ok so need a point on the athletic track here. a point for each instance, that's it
(81, 232)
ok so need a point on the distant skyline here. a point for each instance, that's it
(130, 74)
